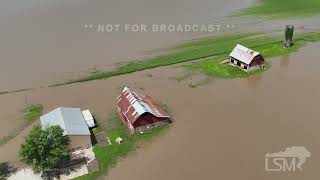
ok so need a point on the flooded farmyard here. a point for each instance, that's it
(227, 123)
(222, 129)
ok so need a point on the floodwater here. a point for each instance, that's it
(221, 130)
(44, 42)
(224, 129)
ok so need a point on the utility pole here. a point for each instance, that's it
(25, 98)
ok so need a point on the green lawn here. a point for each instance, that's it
(108, 156)
(284, 8)
(212, 67)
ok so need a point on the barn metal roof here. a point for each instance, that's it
(133, 106)
(243, 54)
(70, 120)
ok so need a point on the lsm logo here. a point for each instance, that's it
(289, 160)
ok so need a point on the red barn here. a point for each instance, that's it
(140, 113)
(246, 59)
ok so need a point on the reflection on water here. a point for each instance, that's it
(254, 81)
(285, 61)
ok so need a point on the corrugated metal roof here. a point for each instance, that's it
(243, 54)
(88, 117)
(133, 106)
(70, 120)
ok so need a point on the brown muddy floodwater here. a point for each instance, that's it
(224, 129)
(221, 130)
(43, 42)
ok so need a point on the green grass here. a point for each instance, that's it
(268, 46)
(97, 129)
(205, 48)
(214, 68)
(33, 112)
(284, 8)
(108, 156)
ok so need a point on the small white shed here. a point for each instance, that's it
(89, 118)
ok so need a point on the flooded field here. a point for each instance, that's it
(224, 129)
(46, 42)
(221, 130)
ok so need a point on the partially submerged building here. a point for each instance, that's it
(72, 121)
(246, 58)
(75, 125)
(140, 113)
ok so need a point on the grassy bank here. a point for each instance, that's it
(109, 155)
(15, 91)
(271, 46)
(284, 9)
(33, 112)
(212, 67)
(179, 55)
(218, 47)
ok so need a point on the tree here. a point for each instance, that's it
(45, 149)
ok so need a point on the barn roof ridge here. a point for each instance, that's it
(130, 102)
(243, 54)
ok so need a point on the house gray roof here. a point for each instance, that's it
(70, 120)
